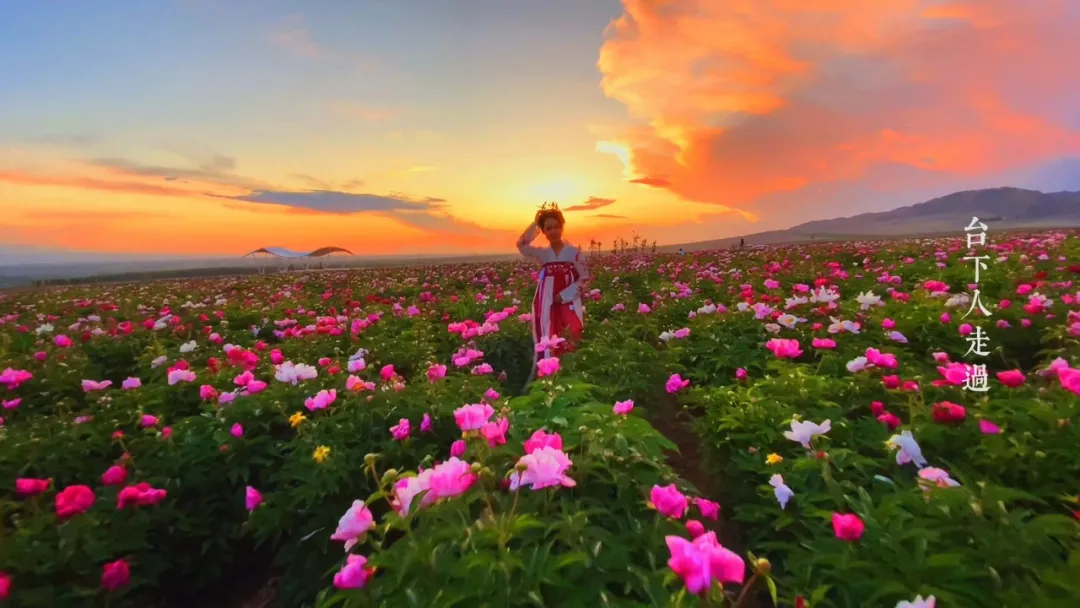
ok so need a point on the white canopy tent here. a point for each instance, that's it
(285, 259)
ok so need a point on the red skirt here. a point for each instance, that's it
(566, 319)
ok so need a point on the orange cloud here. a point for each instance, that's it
(746, 104)
(91, 183)
(294, 36)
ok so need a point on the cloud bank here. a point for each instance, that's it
(766, 106)
(593, 202)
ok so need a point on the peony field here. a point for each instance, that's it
(825, 425)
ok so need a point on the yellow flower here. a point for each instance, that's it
(320, 454)
(774, 459)
(296, 419)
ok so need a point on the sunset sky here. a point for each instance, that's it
(213, 127)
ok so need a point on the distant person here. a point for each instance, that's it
(682, 251)
(557, 310)
(742, 243)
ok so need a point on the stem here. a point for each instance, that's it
(746, 589)
(513, 507)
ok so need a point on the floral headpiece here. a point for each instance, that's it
(552, 206)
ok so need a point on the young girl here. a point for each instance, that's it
(557, 309)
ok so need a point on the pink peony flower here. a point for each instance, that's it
(783, 348)
(252, 498)
(675, 384)
(237, 430)
(29, 486)
(695, 528)
(988, 428)
(946, 412)
(847, 526)
(544, 467)
(90, 386)
(180, 375)
(322, 400)
(74, 500)
(457, 449)
(1011, 378)
(541, 439)
(401, 430)
(707, 508)
(115, 575)
(435, 372)
(352, 526)
(495, 432)
(115, 475)
(703, 560)
(668, 500)
(623, 408)
(547, 366)
(473, 417)
(425, 423)
(141, 494)
(354, 574)
(131, 383)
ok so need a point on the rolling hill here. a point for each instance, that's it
(998, 208)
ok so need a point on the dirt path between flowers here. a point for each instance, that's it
(677, 425)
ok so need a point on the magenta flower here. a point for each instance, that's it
(354, 525)
(473, 417)
(401, 430)
(544, 467)
(668, 500)
(115, 575)
(90, 386)
(988, 428)
(252, 498)
(541, 439)
(1011, 378)
(237, 430)
(354, 574)
(623, 408)
(547, 366)
(784, 348)
(29, 486)
(847, 526)
(180, 375)
(675, 383)
(435, 372)
(322, 400)
(140, 494)
(131, 383)
(425, 423)
(115, 475)
(703, 560)
(457, 449)
(707, 508)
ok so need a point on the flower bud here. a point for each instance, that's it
(762, 565)
(370, 459)
(389, 476)
(476, 466)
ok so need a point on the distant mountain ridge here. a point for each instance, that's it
(999, 208)
(1007, 205)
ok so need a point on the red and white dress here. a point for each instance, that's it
(560, 273)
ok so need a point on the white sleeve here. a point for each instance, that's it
(523, 243)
